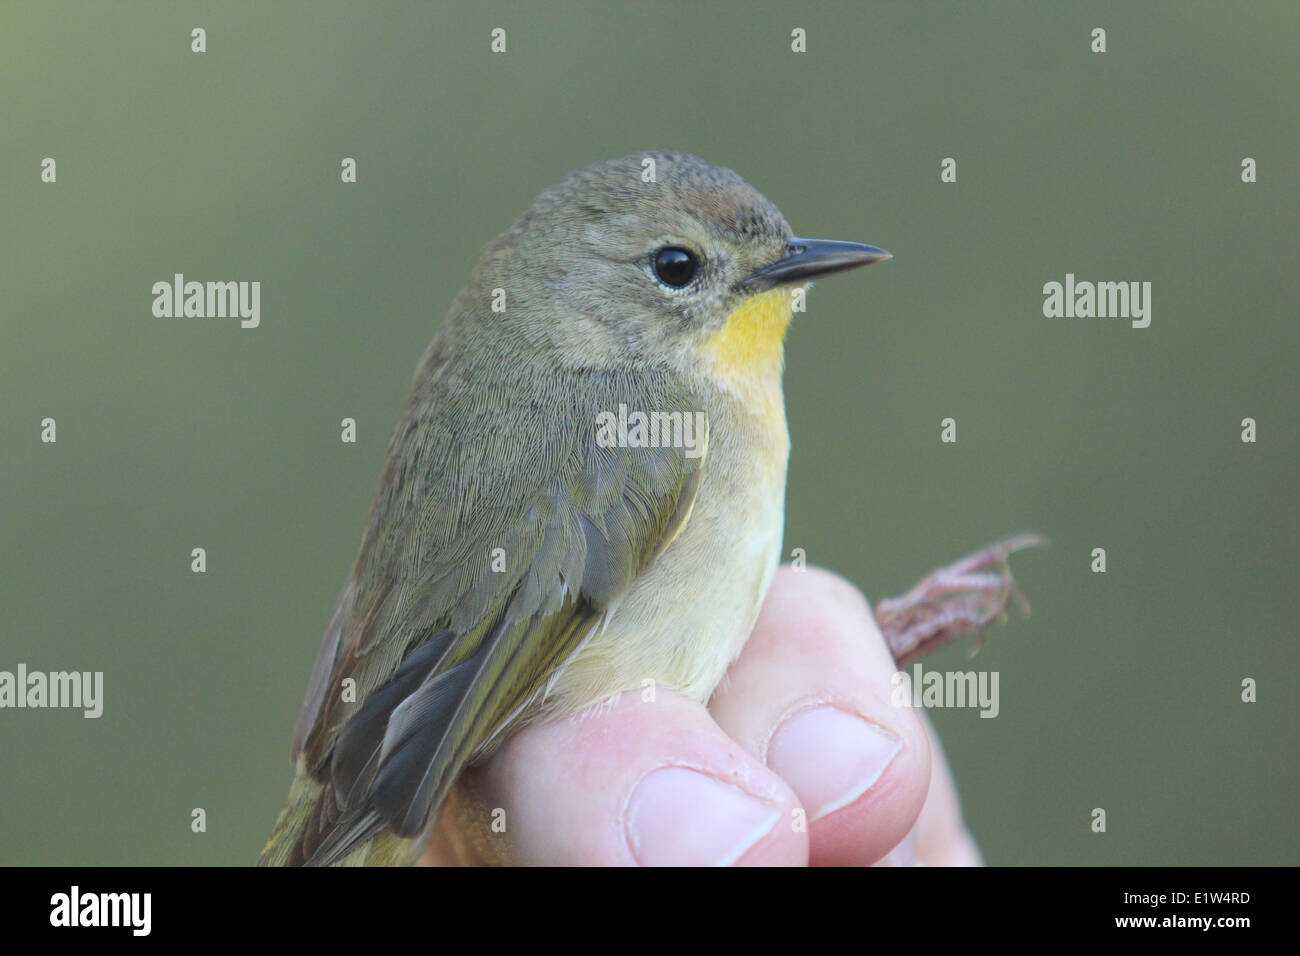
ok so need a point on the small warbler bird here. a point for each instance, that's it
(586, 491)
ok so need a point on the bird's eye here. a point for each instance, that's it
(675, 266)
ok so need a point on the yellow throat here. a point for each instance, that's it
(747, 355)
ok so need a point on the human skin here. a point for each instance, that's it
(799, 759)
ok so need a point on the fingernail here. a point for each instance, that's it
(830, 757)
(678, 817)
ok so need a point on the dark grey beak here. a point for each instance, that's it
(809, 258)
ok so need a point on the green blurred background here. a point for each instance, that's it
(1123, 689)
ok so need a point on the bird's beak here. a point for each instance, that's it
(809, 258)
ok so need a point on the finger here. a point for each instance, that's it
(810, 696)
(942, 838)
(638, 782)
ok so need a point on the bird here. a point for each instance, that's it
(584, 492)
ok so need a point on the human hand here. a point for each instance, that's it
(799, 759)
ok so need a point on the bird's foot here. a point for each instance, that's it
(954, 601)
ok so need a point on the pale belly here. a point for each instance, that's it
(688, 616)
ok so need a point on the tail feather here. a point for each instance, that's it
(306, 796)
(298, 809)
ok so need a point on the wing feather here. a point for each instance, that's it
(446, 638)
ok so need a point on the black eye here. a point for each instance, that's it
(675, 266)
